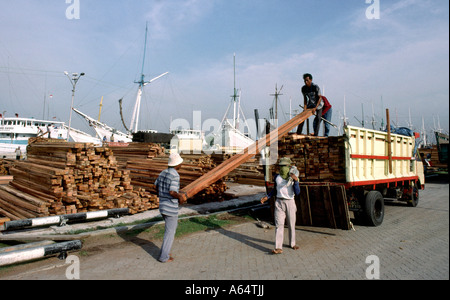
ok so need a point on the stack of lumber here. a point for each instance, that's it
(4, 166)
(434, 159)
(144, 172)
(130, 151)
(3, 220)
(251, 173)
(66, 178)
(318, 159)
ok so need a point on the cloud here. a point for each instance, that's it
(168, 17)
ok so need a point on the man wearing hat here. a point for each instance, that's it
(168, 186)
(286, 186)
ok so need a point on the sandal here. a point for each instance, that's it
(295, 247)
(277, 251)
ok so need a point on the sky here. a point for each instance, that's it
(366, 55)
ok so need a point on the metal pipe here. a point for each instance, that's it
(38, 252)
(62, 220)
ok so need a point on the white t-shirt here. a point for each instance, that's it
(285, 188)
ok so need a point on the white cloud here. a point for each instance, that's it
(167, 17)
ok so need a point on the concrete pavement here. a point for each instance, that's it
(412, 243)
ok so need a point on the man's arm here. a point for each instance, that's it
(180, 196)
(271, 193)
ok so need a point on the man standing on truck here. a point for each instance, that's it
(286, 187)
(327, 113)
(312, 99)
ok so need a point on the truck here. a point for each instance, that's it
(377, 169)
(355, 173)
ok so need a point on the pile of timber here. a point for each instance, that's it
(434, 158)
(130, 151)
(4, 166)
(318, 159)
(144, 172)
(251, 172)
(66, 178)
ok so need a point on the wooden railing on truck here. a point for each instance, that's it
(367, 157)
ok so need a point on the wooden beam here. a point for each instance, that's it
(388, 120)
(234, 162)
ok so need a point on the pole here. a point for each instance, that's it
(389, 140)
(14, 257)
(73, 81)
(325, 120)
(70, 115)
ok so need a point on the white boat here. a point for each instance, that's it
(187, 141)
(79, 136)
(229, 137)
(105, 132)
(15, 132)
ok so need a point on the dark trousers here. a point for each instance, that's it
(327, 116)
(317, 122)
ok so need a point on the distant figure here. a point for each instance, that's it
(48, 131)
(18, 153)
(104, 139)
(112, 138)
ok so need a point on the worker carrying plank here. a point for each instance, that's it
(286, 187)
(168, 186)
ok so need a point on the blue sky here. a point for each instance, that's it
(401, 58)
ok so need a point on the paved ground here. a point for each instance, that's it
(412, 243)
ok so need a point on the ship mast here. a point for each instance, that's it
(142, 83)
(235, 96)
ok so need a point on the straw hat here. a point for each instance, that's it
(175, 160)
(285, 161)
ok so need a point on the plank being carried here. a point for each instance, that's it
(234, 162)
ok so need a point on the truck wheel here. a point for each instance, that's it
(414, 196)
(374, 208)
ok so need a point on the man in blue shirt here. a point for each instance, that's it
(168, 186)
(286, 187)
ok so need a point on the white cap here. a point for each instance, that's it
(175, 160)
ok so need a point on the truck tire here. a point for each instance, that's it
(374, 208)
(414, 196)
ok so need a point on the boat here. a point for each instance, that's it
(79, 136)
(229, 138)
(187, 141)
(104, 132)
(16, 131)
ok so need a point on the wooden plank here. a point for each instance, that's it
(339, 200)
(3, 220)
(304, 217)
(231, 164)
(328, 207)
(389, 140)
